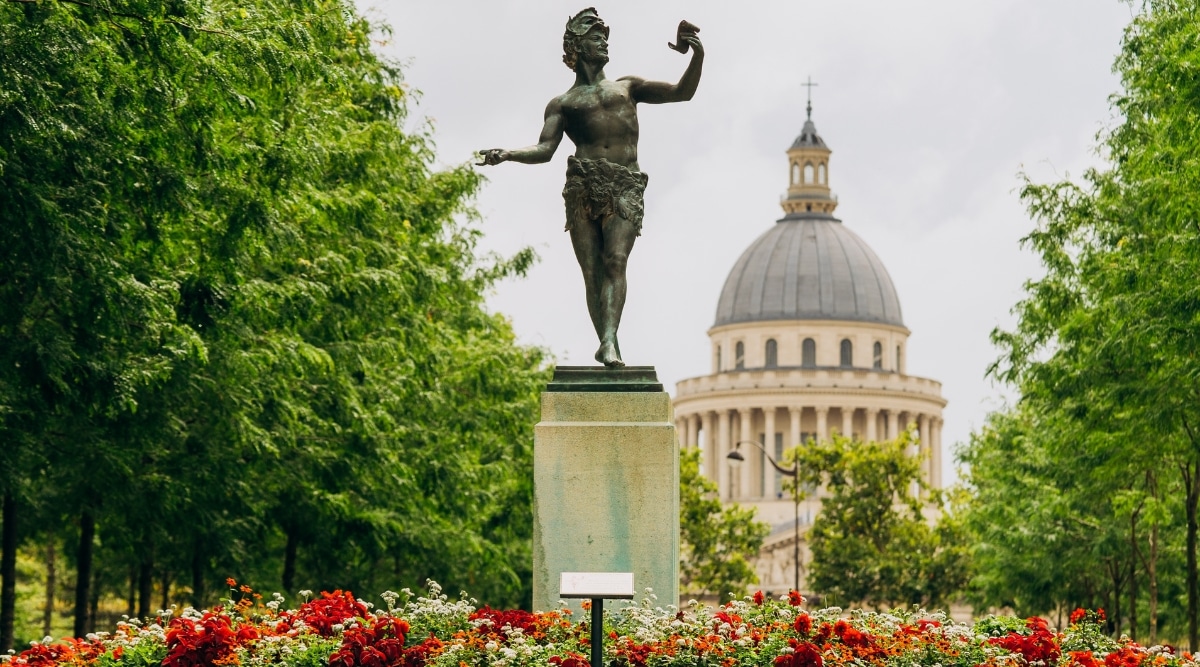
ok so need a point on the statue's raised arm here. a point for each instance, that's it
(661, 92)
(604, 188)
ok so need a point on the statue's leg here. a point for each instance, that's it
(619, 235)
(588, 242)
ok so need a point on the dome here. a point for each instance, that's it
(808, 137)
(809, 266)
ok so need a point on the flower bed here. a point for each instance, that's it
(338, 630)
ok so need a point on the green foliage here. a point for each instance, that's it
(872, 543)
(240, 322)
(1104, 357)
(717, 540)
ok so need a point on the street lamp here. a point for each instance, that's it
(736, 459)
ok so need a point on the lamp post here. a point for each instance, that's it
(736, 459)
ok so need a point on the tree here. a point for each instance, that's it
(872, 543)
(717, 541)
(1106, 339)
(242, 328)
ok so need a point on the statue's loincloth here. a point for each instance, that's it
(597, 189)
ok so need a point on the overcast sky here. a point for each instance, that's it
(932, 110)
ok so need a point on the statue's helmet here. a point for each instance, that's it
(578, 27)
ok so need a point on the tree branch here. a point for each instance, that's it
(136, 17)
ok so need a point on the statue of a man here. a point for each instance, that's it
(604, 186)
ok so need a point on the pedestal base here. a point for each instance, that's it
(606, 491)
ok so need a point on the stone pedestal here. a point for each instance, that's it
(606, 482)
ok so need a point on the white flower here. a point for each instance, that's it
(491, 646)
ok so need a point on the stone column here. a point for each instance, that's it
(709, 457)
(746, 475)
(926, 451)
(694, 431)
(769, 445)
(936, 458)
(872, 424)
(795, 413)
(848, 422)
(893, 424)
(822, 425)
(721, 464)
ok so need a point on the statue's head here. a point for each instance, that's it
(584, 25)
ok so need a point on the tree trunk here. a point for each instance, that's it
(51, 583)
(145, 587)
(83, 577)
(198, 574)
(289, 561)
(166, 590)
(1118, 581)
(94, 603)
(1133, 590)
(8, 572)
(1152, 563)
(1191, 485)
(131, 598)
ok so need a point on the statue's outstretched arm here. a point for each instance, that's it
(542, 151)
(660, 92)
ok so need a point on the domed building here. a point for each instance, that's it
(808, 340)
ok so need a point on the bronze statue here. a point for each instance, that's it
(604, 186)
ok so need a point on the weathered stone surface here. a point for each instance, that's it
(606, 491)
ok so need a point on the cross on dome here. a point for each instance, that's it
(810, 86)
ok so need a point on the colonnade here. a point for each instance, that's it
(755, 479)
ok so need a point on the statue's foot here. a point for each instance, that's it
(608, 355)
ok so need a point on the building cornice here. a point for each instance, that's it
(794, 323)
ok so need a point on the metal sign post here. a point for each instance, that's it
(597, 587)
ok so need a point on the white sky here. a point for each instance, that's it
(931, 108)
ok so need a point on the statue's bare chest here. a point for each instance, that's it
(606, 100)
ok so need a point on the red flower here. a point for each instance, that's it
(1078, 615)
(635, 654)
(1038, 645)
(795, 599)
(804, 654)
(329, 610)
(1126, 656)
(201, 643)
(571, 660)
(726, 617)
(1035, 623)
(71, 652)
(1083, 659)
(855, 638)
(758, 598)
(803, 624)
(494, 620)
(421, 654)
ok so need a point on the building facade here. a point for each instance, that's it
(808, 340)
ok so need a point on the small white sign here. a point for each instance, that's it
(607, 585)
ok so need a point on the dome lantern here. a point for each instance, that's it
(808, 169)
